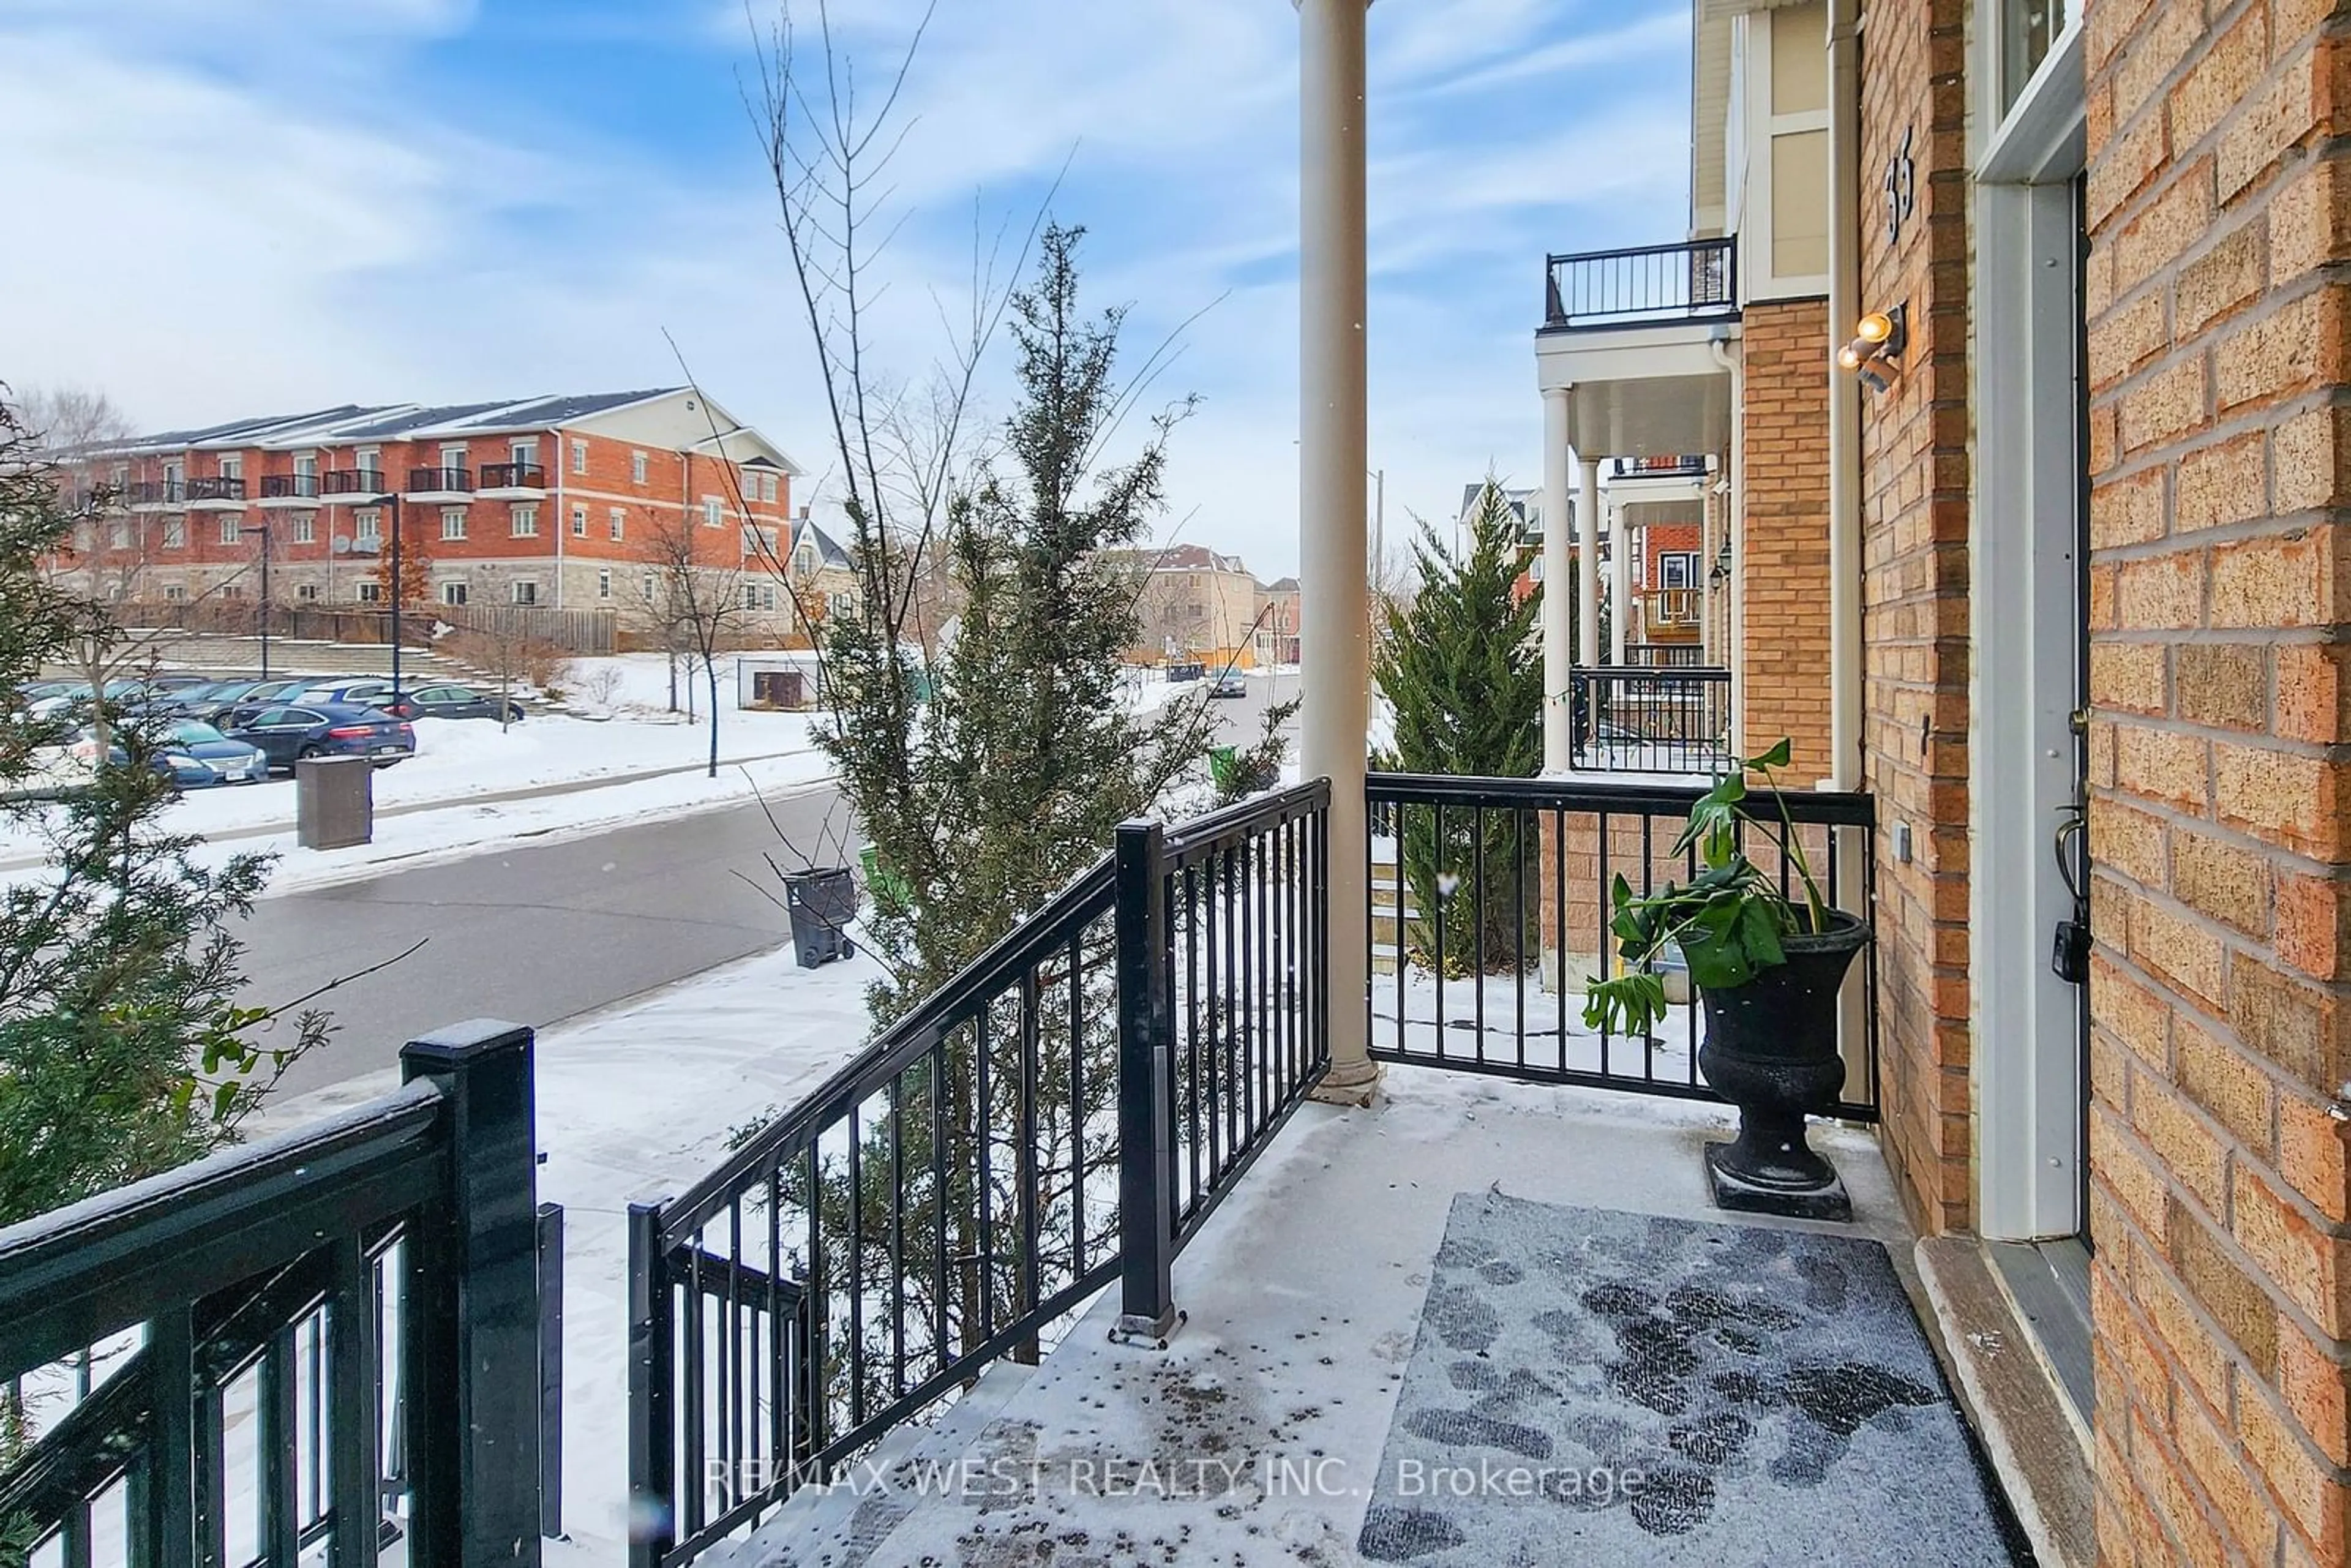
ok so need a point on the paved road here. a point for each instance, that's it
(542, 933)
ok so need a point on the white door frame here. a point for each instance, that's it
(2024, 631)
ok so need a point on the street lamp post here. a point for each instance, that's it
(398, 584)
(263, 529)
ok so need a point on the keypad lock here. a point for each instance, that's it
(2070, 958)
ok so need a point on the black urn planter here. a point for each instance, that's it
(1772, 1051)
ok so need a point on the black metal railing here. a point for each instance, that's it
(1489, 909)
(316, 1345)
(220, 487)
(1637, 719)
(1697, 280)
(354, 482)
(513, 476)
(289, 487)
(1063, 1113)
(1685, 466)
(157, 493)
(439, 481)
(1664, 655)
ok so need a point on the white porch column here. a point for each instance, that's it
(1587, 566)
(1558, 567)
(1620, 583)
(1332, 456)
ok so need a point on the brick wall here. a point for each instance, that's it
(1783, 555)
(2220, 215)
(1915, 607)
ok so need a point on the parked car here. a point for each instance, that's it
(288, 732)
(192, 756)
(439, 700)
(217, 706)
(1228, 685)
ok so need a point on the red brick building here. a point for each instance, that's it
(560, 502)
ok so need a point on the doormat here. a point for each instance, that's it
(1597, 1387)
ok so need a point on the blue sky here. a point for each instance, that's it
(254, 204)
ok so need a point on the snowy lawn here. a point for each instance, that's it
(635, 1103)
(459, 761)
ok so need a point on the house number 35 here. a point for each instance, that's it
(1901, 188)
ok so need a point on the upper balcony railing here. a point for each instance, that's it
(365, 483)
(513, 476)
(1658, 285)
(157, 493)
(289, 487)
(221, 487)
(1686, 465)
(440, 481)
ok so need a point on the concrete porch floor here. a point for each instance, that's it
(1257, 1435)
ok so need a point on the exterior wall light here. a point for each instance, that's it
(1878, 339)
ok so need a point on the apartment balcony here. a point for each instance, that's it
(220, 493)
(289, 490)
(1637, 340)
(1673, 607)
(1658, 285)
(156, 494)
(512, 482)
(1670, 466)
(444, 484)
(356, 486)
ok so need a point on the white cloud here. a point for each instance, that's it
(234, 226)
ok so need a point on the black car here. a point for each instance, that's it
(214, 705)
(288, 732)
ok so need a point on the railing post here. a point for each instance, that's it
(1146, 1155)
(473, 1309)
(551, 1369)
(653, 1436)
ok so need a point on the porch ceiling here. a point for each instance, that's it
(1651, 416)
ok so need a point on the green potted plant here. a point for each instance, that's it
(1768, 967)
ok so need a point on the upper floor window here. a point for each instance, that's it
(578, 456)
(526, 522)
(713, 512)
(232, 465)
(768, 488)
(1677, 568)
(175, 533)
(637, 467)
(232, 528)
(305, 528)
(617, 520)
(452, 527)
(578, 522)
(367, 526)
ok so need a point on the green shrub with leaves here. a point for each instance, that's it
(1463, 668)
(1727, 922)
(124, 1050)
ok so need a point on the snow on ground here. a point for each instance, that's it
(458, 830)
(460, 761)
